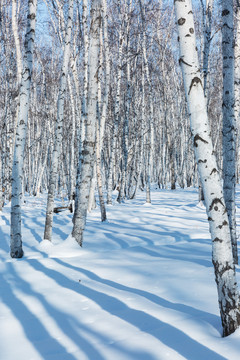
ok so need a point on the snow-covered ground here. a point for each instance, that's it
(142, 287)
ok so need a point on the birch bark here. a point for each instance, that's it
(84, 99)
(117, 110)
(87, 156)
(237, 68)
(58, 126)
(16, 250)
(228, 131)
(237, 84)
(150, 136)
(222, 256)
(207, 28)
(1, 182)
(122, 191)
(100, 123)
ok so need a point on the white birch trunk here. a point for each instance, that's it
(16, 250)
(1, 182)
(207, 27)
(72, 174)
(122, 191)
(100, 123)
(237, 70)
(91, 199)
(107, 70)
(222, 256)
(229, 141)
(99, 175)
(16, 40)
(87, 156)
(84, 98)
(58, 126)
(237, 86)
(112, 163)
(150, 119)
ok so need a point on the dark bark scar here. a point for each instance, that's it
(198, 137)
(196, 80)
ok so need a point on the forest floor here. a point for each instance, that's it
(141, 288)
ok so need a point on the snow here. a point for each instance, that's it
(142, 287)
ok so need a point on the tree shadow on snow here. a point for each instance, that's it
(36, 332)
(166, 333)
(168, 255)
(33, 329)
(70, 325)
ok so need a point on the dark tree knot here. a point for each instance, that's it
(217, 240)
(195, 81)
(215, 202)
(225, 12)
(197, 137)
(181, 61)
(181, 21)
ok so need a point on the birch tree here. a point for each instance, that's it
(207, 11)
(237, 66)
(222, 256)
(58, 125)
(117, 104)
(149, 162)
(229, 163)
(84, 95)
(16, 250)
(87, 155)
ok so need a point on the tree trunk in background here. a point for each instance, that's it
(18, 58)
(1, 182)
(100, 123)
(117, 110)
(58, 126)
(237, 86)
(237, 69)
(87, 156)
(150, 135)
(222, 256)
(207, 10)
(229, 141)
(207, 28)
(16, 250)
(84, 97)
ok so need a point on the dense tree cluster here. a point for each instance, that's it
(92, 97)
(146, 117)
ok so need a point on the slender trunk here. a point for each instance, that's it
(1, 182)
(122, 191)
(222, 256)
(207, 26)
(84, 101)
(58, 127)
(229, 141)
(87, 156)
(99, 176)
(16, 250)
(150, 118)
(18, 58)
(112, 163)
(91, 199)
(72, 174)
(100, 123)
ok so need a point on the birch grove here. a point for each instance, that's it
(100, 113)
